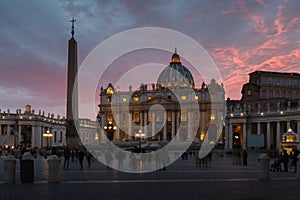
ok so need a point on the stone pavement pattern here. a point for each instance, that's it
(181, 180)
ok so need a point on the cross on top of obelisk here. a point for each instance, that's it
(73, 21)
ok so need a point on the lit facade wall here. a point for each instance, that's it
(268, 107)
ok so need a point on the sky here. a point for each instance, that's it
(241, 36)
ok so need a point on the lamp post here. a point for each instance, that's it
(110, 129)
(140, 135)
(48, 135)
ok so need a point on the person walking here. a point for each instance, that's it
(67, 154)
(295, 158)
(245, 157)
(88, 158)
(80, 158)
(285, 160)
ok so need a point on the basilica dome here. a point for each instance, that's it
(175, 74)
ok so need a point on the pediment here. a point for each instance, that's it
(160, 99)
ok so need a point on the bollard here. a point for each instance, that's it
(264, 167)
(298, 167)
(9, 173)
(27, 168)
(53, 169)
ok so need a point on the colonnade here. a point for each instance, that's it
(273, 136)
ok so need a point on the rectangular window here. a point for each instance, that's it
(61, 136)
(136, 116)
(149, 117)
(55, 133)
(109, 117)
(124, 99)
(136, 98)
(169, 116)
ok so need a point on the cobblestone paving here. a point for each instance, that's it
(182, 180)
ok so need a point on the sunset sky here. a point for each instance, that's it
(241, 36)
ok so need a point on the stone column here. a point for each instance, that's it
(227, 135)
(173, 125)
(141, 121)
(130, 128)
(117, 131)
(145, 125)
(278, 136)
(190, 128)
(288, 125)
(52, 138)
(38, 136)
(230, 136)
(298, 133)
(177, 124)
(19, 133)
(42, 136)
(102, 131)
(32, 136)
(153, 126)
(0, 129)
(258, 128)
(268, 136)
(244, 136)
(165, 127)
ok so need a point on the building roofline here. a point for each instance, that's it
(275, 73)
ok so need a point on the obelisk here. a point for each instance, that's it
(72, 137)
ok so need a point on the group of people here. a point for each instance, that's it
(239, 157)
(285, 158)
(74, 154)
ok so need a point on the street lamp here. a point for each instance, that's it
(48, 135)
(140, 135)
(110, 128)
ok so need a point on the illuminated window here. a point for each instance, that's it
(169, 118)
(96, 136)
(149, 117)
(136, 98)
(136, 116)
(183, 97)
(196, 97)
(248, 92)
(124, 99)
(109, 117)
(149, 97)
(202, 136)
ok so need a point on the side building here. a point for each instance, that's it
(37, 130)
(30, 129)
(269, 106)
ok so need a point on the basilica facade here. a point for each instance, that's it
(135, 114)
